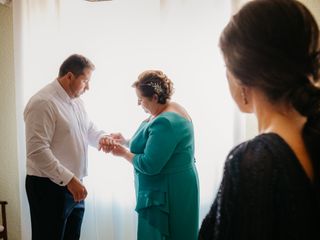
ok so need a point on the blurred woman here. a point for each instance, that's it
(270, 187)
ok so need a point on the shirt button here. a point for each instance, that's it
(61, 182)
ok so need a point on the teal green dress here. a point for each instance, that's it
(166, 180)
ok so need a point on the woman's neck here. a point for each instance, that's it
(279, 120)
(288, 124)
(160, 109)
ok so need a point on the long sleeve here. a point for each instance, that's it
(58, 132)
(94, 135)
(40, 128)
(243, 208)
(218, 222)
(159, 147)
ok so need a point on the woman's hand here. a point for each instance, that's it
(122, 151)
(117, 137)
(119, 150)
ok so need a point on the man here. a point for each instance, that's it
(58, 132)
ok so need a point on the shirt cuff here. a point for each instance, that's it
(65, 177)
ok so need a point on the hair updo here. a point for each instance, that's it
(273, 45)
(154, 82)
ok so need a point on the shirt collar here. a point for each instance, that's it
(61, 92)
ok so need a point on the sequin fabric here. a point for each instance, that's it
(264, 195)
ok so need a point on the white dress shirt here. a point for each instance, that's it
(58, 132)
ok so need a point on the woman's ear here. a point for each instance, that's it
(246, 99)
(244, 95)
(155, 97)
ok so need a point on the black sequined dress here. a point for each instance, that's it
(264, 195)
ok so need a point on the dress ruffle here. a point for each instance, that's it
(153, 206)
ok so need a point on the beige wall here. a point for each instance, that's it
(314, 7)
(9, 177)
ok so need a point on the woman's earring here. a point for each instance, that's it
(244, 96)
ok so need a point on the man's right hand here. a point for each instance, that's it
(77, 189)
(106, 143)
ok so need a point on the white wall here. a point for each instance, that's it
(9, 171)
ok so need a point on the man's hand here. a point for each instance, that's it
(77, 189)
(106, 143)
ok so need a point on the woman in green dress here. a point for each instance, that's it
(162, 154)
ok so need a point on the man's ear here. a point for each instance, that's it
(70, 76)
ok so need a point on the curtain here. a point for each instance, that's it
(124, 38)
